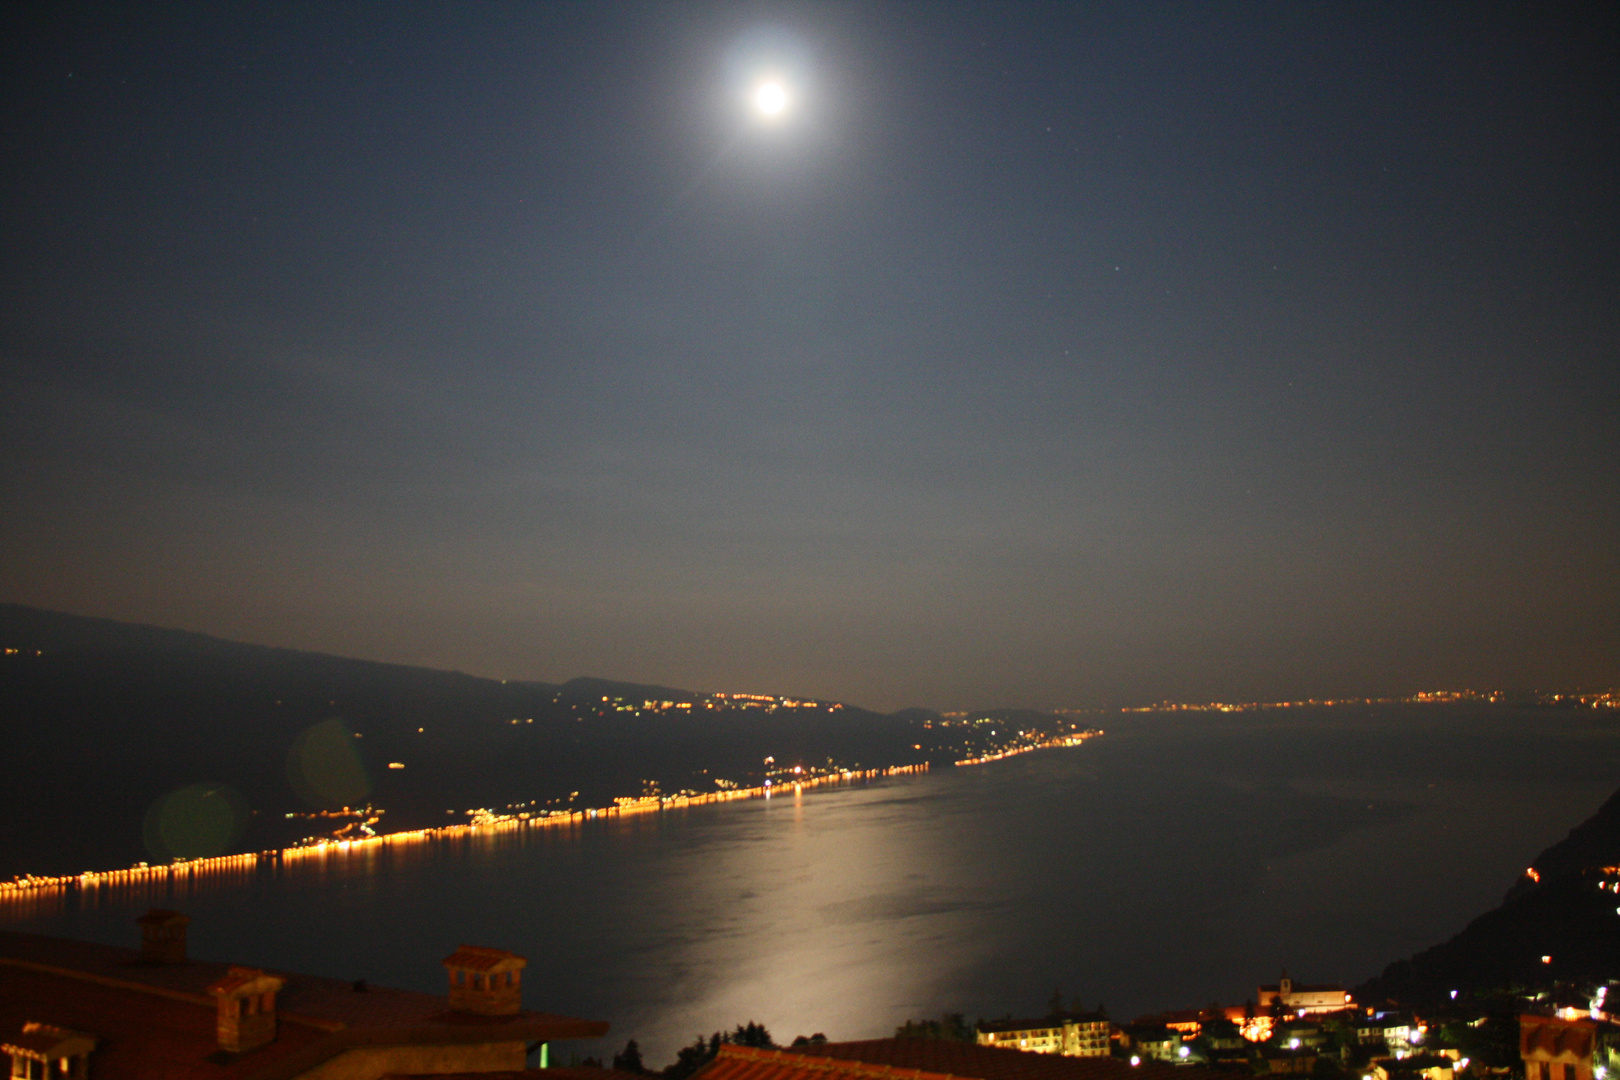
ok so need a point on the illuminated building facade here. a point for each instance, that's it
(1393, 1029)
(1067, 1034)
(1303, 999)
(42, 1050)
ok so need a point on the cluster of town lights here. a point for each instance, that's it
(1014, 751)
(488, 820)
(1606, 699)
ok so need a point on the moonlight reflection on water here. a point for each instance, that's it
(1168, 863)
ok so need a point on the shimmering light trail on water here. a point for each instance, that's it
(1175, 860)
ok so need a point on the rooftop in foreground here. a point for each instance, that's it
(921, 1059)
(145, 1018)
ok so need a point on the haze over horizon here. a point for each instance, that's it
(1034, 355)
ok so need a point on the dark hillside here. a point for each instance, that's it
(1571, 916)
(103, 720)
(1594, 842)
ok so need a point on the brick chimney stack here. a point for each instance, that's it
(47, 1050)
(247, 1008)
(485, 981)
(163, 936)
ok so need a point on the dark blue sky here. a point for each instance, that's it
(1040, 355)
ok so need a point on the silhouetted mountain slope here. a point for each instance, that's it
(102, 719)
(1570, 916)
(1594, 842)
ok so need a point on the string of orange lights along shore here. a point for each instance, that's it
(1062, 740)
(484, 822)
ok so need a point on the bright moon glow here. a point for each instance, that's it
(770, 99)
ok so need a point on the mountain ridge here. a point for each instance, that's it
(1559, 924)
(115, 718)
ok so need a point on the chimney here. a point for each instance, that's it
(247, 1008)
(47, 1050)
(163, 936)
(485, 981)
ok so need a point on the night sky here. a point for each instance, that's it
(1045, 355)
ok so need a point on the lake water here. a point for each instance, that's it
(1171, 862)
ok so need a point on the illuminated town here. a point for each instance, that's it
(966, 739)
(1555, 1024)
(1602, 699)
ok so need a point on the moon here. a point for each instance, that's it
(770, 99)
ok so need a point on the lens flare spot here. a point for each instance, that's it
(194, 822)
(325, 768)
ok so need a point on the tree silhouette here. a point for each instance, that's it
(751, 1034)
(629, 1059)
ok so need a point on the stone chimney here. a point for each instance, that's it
(163, 936)
(485, 981)
(47, 1050)
(247, 1008)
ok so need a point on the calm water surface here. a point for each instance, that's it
(1166, 864)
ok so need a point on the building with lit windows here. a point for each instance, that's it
(1067, 1034)
(1302, 999)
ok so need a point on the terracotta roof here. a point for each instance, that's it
(1544, 1037)
(973, 1062)
(559, 1072)
(140, 1036)
(157, 1021)
(748, 1063)
(478, 958)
